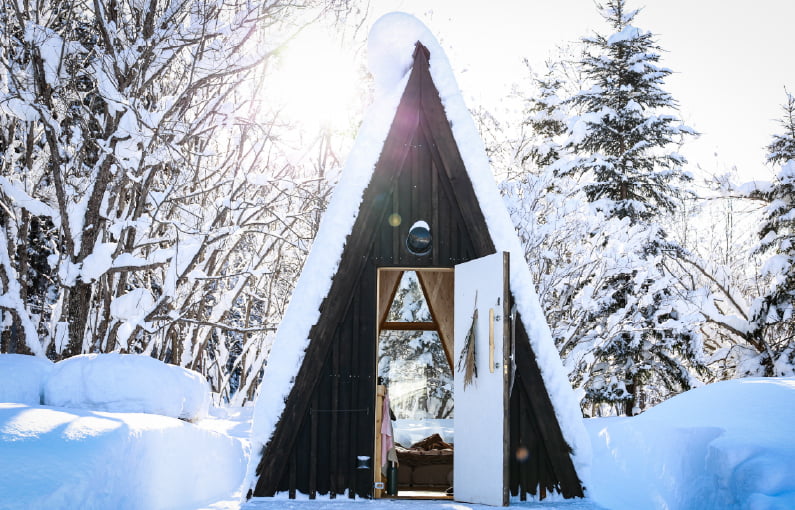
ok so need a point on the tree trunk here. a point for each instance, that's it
(632, 389)
(12, 339)
(77, 316)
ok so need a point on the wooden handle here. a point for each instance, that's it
(491, 340)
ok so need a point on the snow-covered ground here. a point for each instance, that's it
(729, 445)
(286, 504)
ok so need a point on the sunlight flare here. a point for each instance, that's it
(315, 81)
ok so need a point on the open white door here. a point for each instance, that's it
(481, 406)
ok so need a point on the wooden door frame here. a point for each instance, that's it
(380, 322)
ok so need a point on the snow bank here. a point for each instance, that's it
(724, 446)
(127, 383)
(22, 378)
(302, 502)
(53, 458)
(390, 50)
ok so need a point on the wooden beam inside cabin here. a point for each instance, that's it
(409, 326)
(388, 282)
(438, 287)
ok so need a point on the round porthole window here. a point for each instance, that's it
(419, 240)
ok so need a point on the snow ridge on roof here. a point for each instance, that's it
(390, 48)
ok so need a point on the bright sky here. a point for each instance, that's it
(731, 59)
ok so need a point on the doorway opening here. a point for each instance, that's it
(415, 373)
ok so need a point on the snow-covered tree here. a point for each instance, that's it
(545, 116)
(720, 274)
(774, 314)
(149, 204)
(628, 131)
(548, 209)
(625, 137)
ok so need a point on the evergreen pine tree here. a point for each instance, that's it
(625, 139)
(774, 324)
(626, 130)
(546, 117)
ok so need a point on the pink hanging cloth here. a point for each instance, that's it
(388, 452)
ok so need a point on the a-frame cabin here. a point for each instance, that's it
(314, 429)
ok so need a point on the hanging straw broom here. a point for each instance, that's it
(467, 357)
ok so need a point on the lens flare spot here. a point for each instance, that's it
(395, 220)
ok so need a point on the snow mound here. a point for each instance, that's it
(54, 458)
(390, 48)
(724, 446)
(22, 378)
(127, 383)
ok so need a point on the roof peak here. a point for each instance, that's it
(392, 46)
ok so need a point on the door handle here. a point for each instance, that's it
(491, 340)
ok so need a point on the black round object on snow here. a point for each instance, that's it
(419, 240)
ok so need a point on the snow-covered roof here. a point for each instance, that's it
(390, 56)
